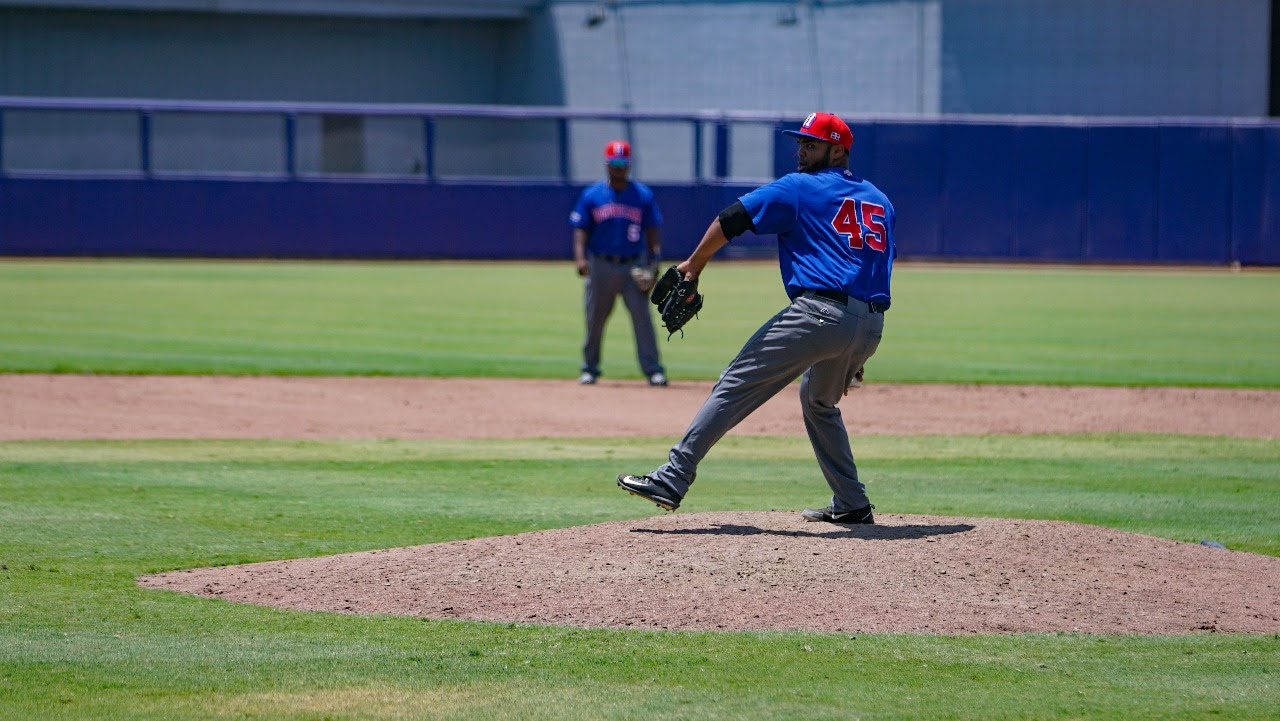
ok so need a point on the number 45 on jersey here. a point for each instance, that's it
(862, 222)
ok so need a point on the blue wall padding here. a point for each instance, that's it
(1270, 201)
(864, 158)
(906, 164)
(1120, 193)
(1255, 195)
(1247, 199)
(1049, 192)
(1194, 194)
(977, 181)
(240, 219)
(1090, 191)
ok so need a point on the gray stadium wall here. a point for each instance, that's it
(1146, 58)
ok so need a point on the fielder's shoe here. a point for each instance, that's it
(657, 379)
(828, 514)
(650, 489)
(587, 379)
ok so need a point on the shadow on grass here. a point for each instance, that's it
(869, 532)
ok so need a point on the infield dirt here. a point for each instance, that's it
(87, 406)
(729, 571)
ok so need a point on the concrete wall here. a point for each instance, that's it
(921, 57)
(219, 56)
(1106, 57)
(878, 57)
(885, 57)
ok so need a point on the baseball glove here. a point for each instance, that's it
(644, 275)
(678, 300)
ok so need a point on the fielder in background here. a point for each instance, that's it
(836, 251)
(617, 246)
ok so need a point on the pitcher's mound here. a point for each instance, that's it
(772, 570)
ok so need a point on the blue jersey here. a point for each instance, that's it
(614, 220)
(835, 232)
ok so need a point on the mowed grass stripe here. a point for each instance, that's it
(83, 518)
(1180, 487)
(948, 324)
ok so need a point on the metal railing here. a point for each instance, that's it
(709, 131)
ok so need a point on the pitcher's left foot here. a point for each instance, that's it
(650, 489)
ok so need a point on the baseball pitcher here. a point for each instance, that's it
(836, 251)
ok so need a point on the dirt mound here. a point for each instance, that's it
(771, 570)
(736, 571)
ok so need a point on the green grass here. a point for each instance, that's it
(81, 519)
(953, 324)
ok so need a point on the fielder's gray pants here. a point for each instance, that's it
(811, 337)
(605, 281)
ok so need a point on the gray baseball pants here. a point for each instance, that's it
(816, 339)
(605, 281)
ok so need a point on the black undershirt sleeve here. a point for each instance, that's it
(735, 220)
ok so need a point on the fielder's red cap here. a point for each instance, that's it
(825, 127)
(617, 152)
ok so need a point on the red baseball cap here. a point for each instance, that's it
(825, 127)
(617, 152)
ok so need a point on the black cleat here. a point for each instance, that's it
(829, 514)
(649, 489)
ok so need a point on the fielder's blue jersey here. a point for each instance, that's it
(615, 220)
(835, 232)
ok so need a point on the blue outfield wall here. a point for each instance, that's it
(1088, 191)
(313, 219)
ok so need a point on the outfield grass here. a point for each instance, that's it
(82, 519)
(954, 324)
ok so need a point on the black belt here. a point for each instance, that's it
(836, 296)
(617, 258)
